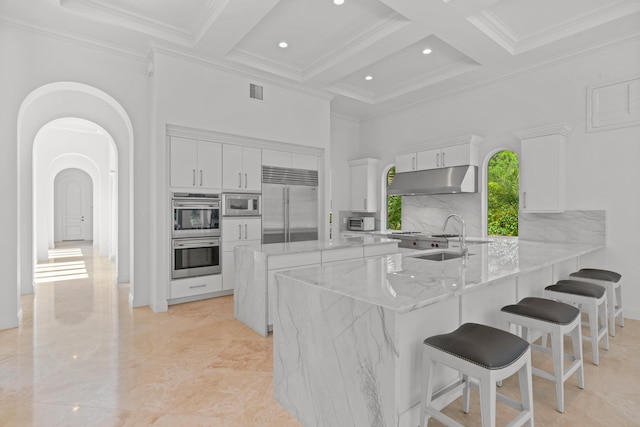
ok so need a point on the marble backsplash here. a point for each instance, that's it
(427, 213)
(568, 226)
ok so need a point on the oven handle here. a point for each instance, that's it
(199, 244)
(195, 205)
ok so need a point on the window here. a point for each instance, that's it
(394, 205)
(503, 178)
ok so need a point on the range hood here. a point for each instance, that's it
(457, 179)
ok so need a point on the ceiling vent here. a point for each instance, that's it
(255, 91)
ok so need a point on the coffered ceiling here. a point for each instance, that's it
(372, 56)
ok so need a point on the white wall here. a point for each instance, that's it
(204, 97)
(602, 167)
(345, 135)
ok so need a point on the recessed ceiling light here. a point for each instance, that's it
(283, 44)
(427, 51)
(338, 2)
(368, 77)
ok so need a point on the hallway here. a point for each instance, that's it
(83, 357)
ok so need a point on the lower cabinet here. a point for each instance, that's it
(193, 286)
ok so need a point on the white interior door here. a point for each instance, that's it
(74, 197)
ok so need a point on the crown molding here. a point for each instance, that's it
(490, 24)
(261, 63)
(344, 117)
(471, 139)
(79, 40)
(247, 141)
(563, 129)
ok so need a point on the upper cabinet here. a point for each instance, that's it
(195, 164)
(285, 159)
(542, 168)
(363, 173)
(446, 153)
(242, 169)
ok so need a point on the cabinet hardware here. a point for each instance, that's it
(194, 177)
(239, 232)
(196, 286)
(365, 203)
(438, 160)
(245, 232)
(245, 180)
(413, 163)
(524, 200)
(200, 177)
(443, 153)
(239, 179)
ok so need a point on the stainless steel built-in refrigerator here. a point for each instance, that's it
(289, 205)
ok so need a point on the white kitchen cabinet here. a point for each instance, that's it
(237, 231)
(363, 177)
(193, 286)
(285, 159)
(406, 162)
(195, 164)
(542, 168)
(242, 168)
(452, 152)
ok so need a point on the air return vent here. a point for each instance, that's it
(255, 91)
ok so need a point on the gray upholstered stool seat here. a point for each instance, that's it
(611, 281)
(592, 299)
(577, 287)
(482, 352)
(557, 319)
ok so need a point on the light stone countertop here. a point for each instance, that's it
(403, 283)
(272, 249)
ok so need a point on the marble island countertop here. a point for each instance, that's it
(403, 283)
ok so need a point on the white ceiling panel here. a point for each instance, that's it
(332, 48)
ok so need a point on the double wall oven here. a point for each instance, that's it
(195, 237)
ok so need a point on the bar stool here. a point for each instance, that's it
(486, 354)
(557, 319)
(611, 282)
(591, 298)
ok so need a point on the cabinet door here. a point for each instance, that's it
(184, 160)
(232, 230)
(541, 175)
(232, 167)
(358, 188)
(252, 229)
(429, 159)
(457, 155)
(209, 165)
(252, 165)
(406, 162)
(228, 265)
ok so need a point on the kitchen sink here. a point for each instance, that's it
(440, 256)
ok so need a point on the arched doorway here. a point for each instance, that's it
(76, 100)
(503, 197)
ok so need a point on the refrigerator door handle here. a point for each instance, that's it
(288, 204)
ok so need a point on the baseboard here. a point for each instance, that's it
(631, 313)
(159, 306)
(200, 297)
(10, 322)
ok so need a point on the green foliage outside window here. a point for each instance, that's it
(394, 206)
(503, 194)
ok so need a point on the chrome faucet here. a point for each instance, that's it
(463, 232)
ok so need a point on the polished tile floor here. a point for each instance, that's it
(82, 357)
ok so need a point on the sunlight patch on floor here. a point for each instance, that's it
(61, 271)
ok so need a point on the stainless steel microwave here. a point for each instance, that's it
(242, 204)
(359, 223)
